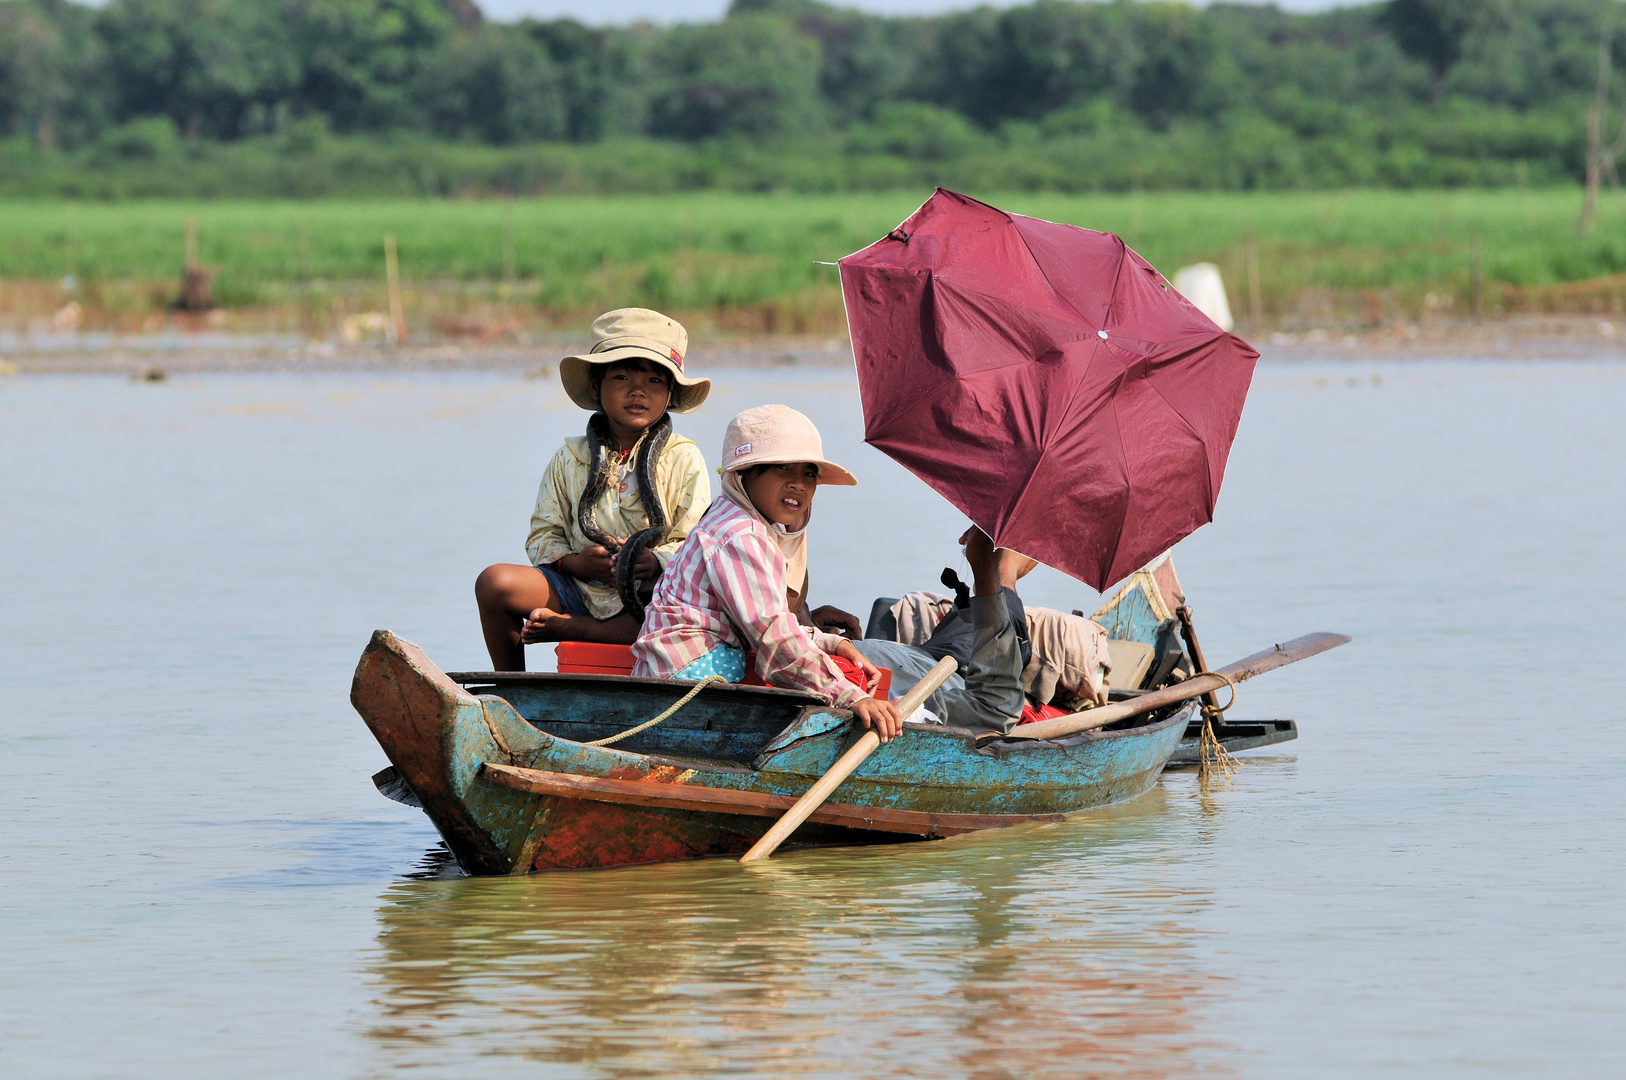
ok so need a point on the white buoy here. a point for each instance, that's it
(1201, 284)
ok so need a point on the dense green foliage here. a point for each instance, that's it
(305, 97)
(721, 253)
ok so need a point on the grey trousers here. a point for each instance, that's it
(989, 696)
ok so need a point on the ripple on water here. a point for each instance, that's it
(979, 954)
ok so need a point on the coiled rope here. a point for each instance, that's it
(647, 724)
(1211, 754)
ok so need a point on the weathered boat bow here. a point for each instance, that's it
(437, 735)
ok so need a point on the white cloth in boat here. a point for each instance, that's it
(1069, 657)
(918, 613)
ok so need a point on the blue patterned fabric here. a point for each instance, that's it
(724, 660)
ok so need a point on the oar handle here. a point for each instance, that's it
(855, 755)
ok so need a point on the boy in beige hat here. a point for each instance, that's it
(614, 505)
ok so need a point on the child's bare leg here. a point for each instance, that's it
(506, 594)
(619, 629)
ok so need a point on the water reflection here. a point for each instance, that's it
(991, 955)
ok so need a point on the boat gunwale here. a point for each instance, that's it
(775, 694)
(997, 744)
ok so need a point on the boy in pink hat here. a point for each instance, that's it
(737, 583)
(614, 505)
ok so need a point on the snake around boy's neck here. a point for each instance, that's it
(646, 455)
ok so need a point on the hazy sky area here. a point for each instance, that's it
(669, 11)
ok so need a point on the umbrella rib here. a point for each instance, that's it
(1022, 359)
(1208, 473)
(1123, 514)
(1044, 451)
(1053, 291)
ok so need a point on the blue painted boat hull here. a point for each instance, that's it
(508, 779)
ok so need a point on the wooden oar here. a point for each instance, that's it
(1257, 664)
(820, 791)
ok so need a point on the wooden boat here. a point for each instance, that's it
(504, 771)
(504, 767)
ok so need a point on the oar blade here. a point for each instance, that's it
(1267, 660)
(1300, 648)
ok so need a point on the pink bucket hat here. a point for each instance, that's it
(777, 434)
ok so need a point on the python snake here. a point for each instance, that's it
(599, 442)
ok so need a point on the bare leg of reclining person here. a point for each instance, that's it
(989, 695)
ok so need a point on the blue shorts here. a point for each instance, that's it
(566, 590)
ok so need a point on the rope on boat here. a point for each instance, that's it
(1211, 754)
(647, 724)
(1219, 710)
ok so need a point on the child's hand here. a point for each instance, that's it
(591, 564)
(872, 674)
(649, 567)
(882, 716)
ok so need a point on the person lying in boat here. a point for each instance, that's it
(986, 630)
(725, 594)
(614, 505)
(1065, 655)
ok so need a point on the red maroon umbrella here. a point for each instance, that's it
(1047, 381)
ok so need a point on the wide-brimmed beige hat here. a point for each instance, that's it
(635, 334)
(773, 434)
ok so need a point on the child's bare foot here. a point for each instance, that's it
(544, 624)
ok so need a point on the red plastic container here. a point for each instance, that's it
(592, 658)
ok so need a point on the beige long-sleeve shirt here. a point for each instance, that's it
(680, 477)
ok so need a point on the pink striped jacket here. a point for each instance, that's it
(726, 586)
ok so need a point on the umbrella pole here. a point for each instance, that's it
(1208, 746)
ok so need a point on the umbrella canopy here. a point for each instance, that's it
(1047, 381)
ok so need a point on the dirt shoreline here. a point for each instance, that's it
(159, 356)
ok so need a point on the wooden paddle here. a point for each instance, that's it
(855, 755)
(1197, 686)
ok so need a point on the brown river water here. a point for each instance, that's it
(197, 879)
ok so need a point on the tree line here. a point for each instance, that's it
(1054, 93)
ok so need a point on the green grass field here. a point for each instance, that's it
(1371, 255)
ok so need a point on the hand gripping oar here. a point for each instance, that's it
(1257, 664)
(855, 755)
